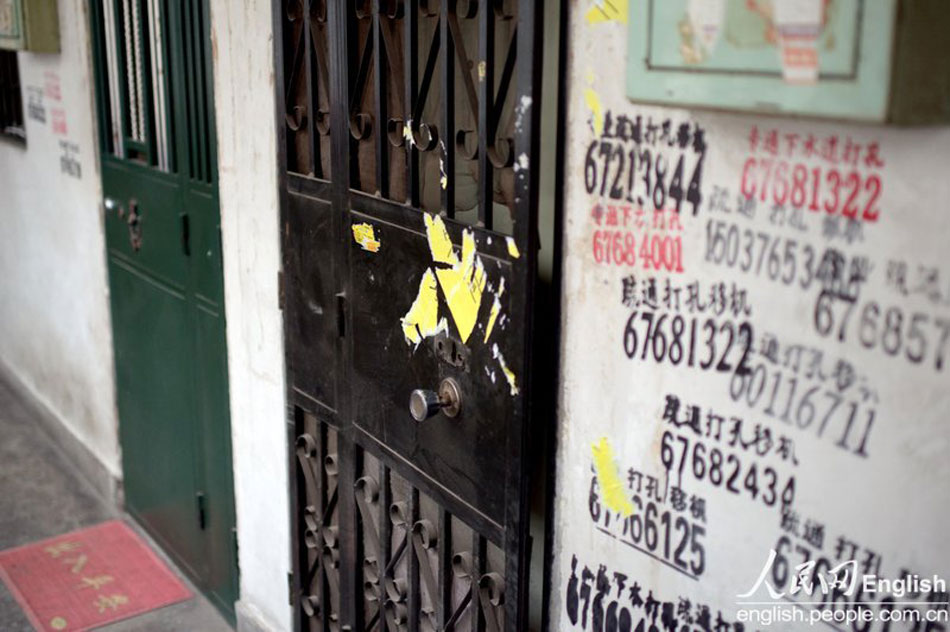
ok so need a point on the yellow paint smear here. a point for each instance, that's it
(495, 309)
(608, 11)
(365, 236)
(422, 319)
(509, 374)
(513, 247)
(463, 285)
(610, 485)
(597, 110)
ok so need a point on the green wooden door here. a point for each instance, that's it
(153, 78)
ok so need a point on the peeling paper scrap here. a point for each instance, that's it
(513, 247)
(422, 319)
(365, 236)
(608, 11)
(592, 99)
(463, 285)
(509, 374)
(495, 309)
(610, 485)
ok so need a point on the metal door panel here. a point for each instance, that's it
(150, 335)
(152, 238)
(215, 465)
(465, 454)
(312, 309)
(204, 244)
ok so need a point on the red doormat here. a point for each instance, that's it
(88, 578)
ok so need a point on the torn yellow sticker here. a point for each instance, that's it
(463, 284)
(509, 374)
(440, 244)
(422, 319)
(365, 236)
(495, 309)
(597, 110)
(611, 488)
(608, 11)
(513, 247)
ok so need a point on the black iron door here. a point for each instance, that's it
(409, 236)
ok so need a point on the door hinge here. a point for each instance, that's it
(290, 589)
(234, 544)
(341, 314)
(202, 510)
(185, 223)
(280, 290)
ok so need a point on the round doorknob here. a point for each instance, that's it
(424, 403)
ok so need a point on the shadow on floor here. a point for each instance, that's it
(41, 497)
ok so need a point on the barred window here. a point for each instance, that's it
(11, 100)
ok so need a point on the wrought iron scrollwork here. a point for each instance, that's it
(319, 588)
(491, 595)
(306, 86)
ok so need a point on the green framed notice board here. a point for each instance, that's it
(31, 25)
(864, 60)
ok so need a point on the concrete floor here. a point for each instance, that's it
(40, 497)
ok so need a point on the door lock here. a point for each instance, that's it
(135, 225)
(425, 403)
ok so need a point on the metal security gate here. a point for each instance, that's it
(408, 224)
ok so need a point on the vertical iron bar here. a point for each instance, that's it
(323, 495)
(478, 569)
(486, 106)
(526, 140)
(145, 86)
(207, 63)
(379, 94)
(411, 58)
(385, 538)
(341, 33)
(447, 134)
(298, 493)
(414, 600)
(197, 94)
(191, 112)
(204, 121)
(443, 601)
(312, 142)
(357, 535)
(120, 52)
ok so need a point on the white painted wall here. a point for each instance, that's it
(55, 330)
(247, 161)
